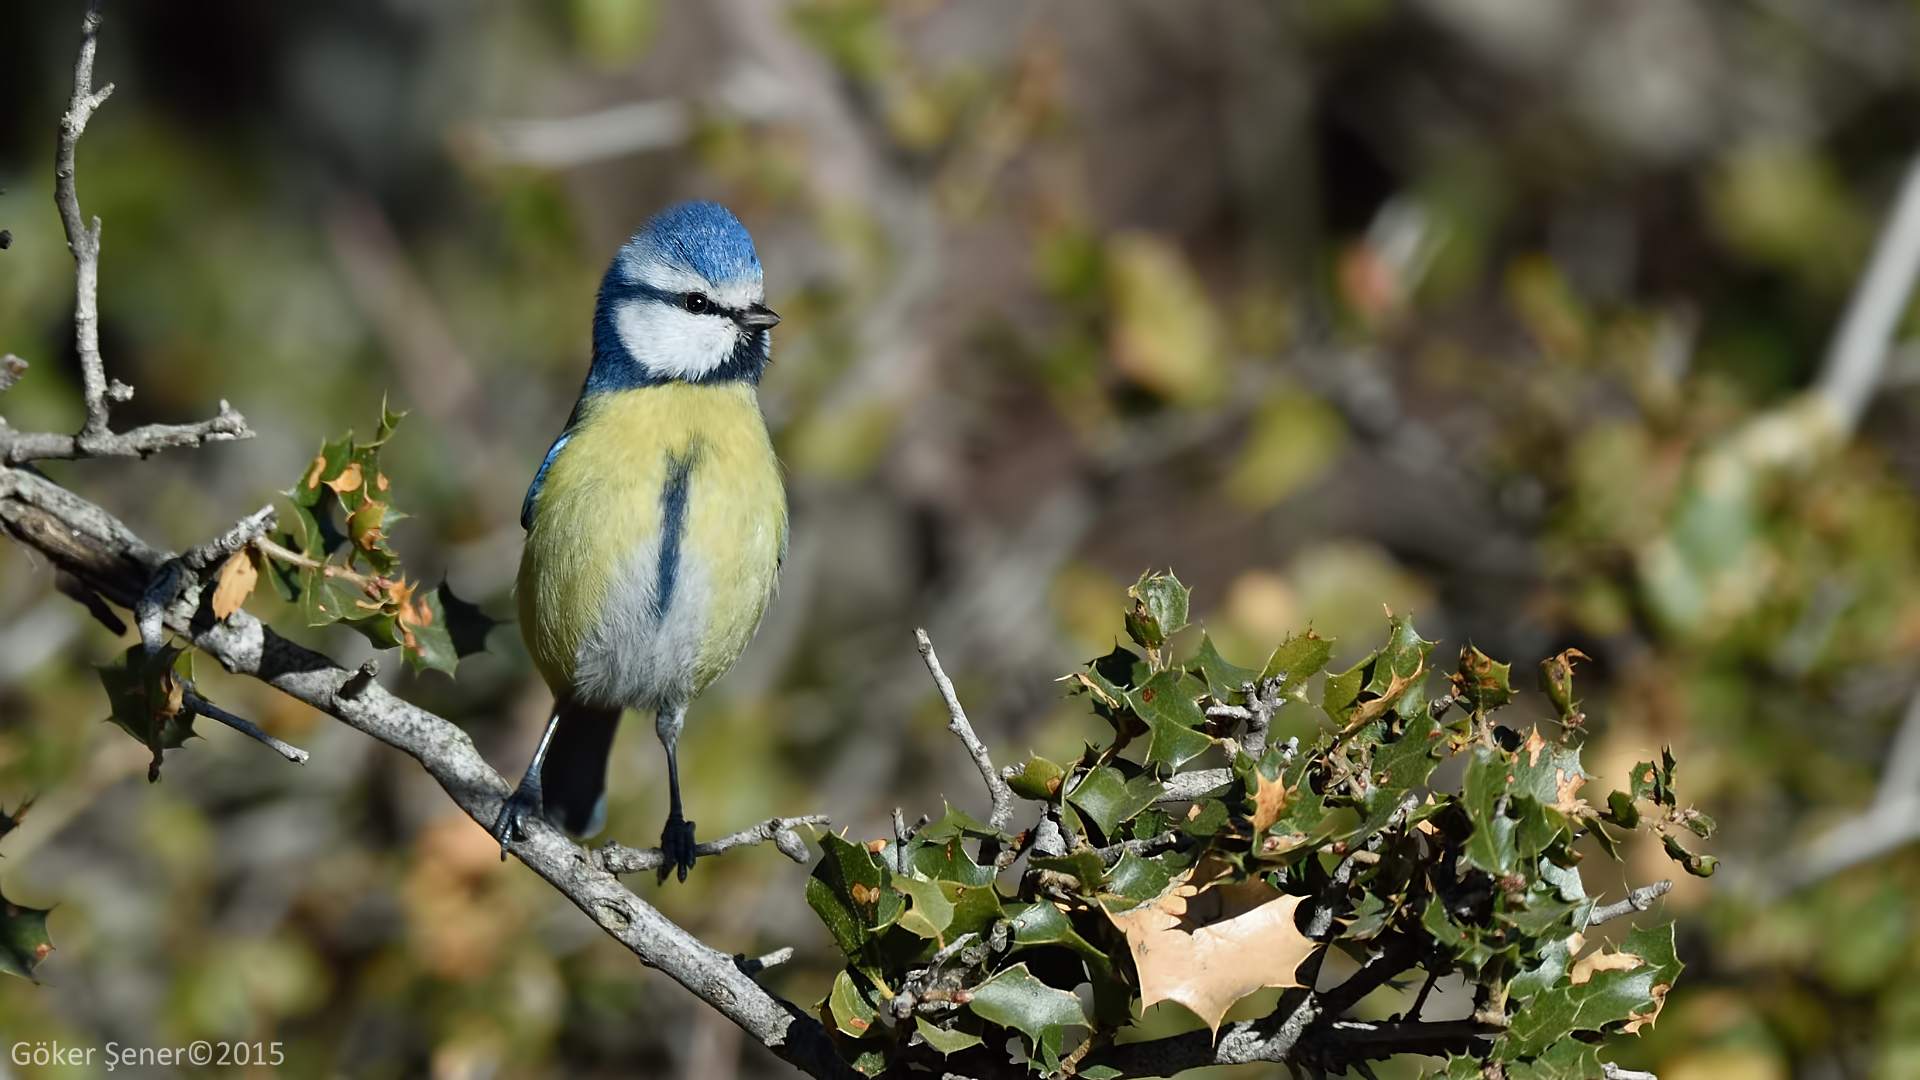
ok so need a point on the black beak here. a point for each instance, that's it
(758, 317)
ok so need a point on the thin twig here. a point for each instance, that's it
(957, 723)
(84, 242)
(208, 709)
(618, 859)
(1639, 899)
(372, 586)
(1615, 1072)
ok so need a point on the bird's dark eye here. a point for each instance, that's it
(698, 303)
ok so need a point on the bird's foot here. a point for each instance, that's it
(521, 807)
(676, 843)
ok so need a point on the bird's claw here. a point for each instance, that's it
(676, 843)
(521, 807)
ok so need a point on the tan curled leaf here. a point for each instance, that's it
(1587, 966)
(1207, 949)
(237, 578)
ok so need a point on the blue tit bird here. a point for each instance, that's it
(657, 524)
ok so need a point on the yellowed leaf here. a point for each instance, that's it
(1208, 948)
(1565, 784)
(237, 578)
(1585, 967)
(1166, 332)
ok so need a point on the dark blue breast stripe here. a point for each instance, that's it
(673, 528)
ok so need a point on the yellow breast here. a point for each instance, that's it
(597, 532)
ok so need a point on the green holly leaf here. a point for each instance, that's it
(1041, 925)
(850, 891)
(1083, 865)
(1621, 810)
(1482, 683)
(1107, 797)
(938, 850)
(946, 1041)
(1223, 679)
(1014, 999)
(1398, 768)
(1039, 779)
(1159, 609)
(24, 942)
(1697, 865)
(1556, 681)
(1611, 996)
(853, 1014)
(1173, 718)
(931, 911)
(467, 625)
(1135, 878)
(147, 696)
(1568, 1059)
(1298, 659)
(1553, 960)
(1491, 847)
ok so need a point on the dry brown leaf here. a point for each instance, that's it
(237, 578)
(1269, 802)
(1207, 949)
(1585, 967)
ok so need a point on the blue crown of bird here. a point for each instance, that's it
(657, 523)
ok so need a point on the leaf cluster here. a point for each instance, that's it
(342, 516)
(1131, 896)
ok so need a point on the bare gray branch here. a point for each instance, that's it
(957, 723)
(1639, 899)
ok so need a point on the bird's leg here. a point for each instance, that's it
(676, 840)
(524, 804)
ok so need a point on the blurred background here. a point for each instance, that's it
(1496, 310)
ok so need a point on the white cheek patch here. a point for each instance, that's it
(673, 343)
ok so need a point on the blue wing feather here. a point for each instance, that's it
(539, 478)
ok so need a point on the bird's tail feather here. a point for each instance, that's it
(573, 782)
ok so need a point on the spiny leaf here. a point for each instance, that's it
(147, 697)
(1298, 659)
(1207, 949)
(1556, 681)
(1108, 796)
(944, 1040)
(1173, 718)
(1038, 779)
(1224, 680)
(1481, 682)
(1159, 609)
(853, 1015)
(1014, 999)
(24, 942)
(1626, 989)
